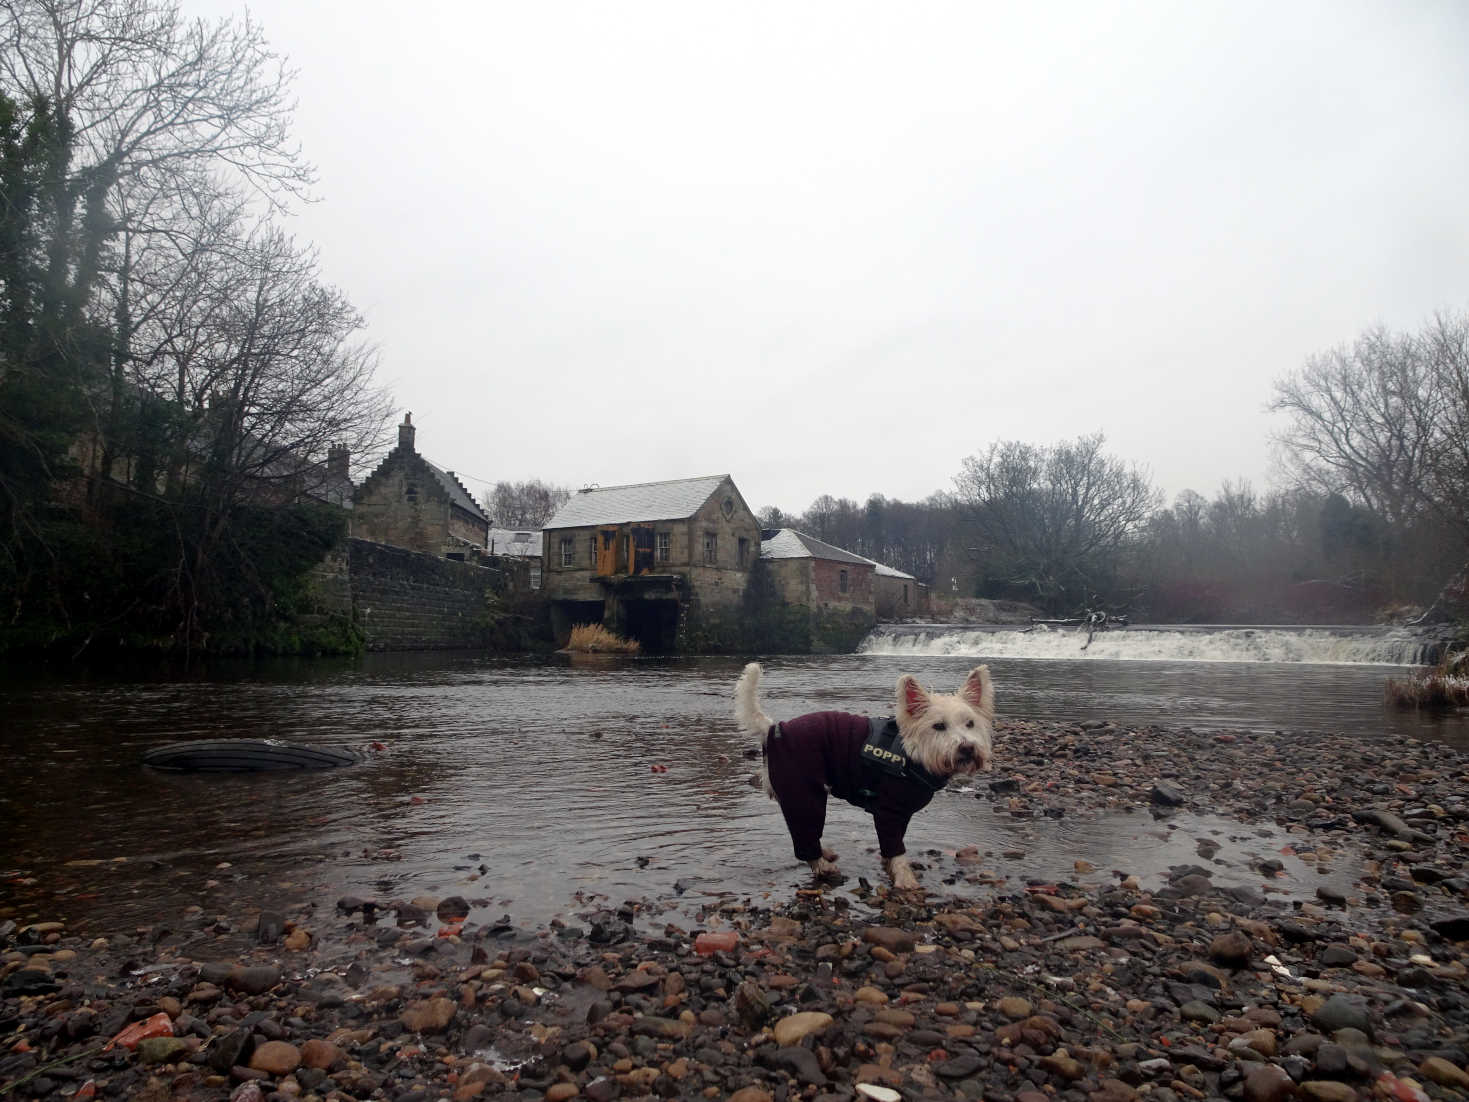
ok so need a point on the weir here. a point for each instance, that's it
(1364, 645)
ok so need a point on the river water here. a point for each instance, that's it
(528, 786)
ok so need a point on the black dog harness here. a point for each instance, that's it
(882, 755)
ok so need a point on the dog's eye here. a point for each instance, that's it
(970, 723)
(940, 726)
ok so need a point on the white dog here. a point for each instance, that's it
(888, 767)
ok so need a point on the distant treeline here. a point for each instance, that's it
(1373, 522)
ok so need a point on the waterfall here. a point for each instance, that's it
(1162, 643)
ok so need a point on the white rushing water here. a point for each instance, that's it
(1328, 645)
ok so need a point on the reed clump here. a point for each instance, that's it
(595, 639)
(1444, 686)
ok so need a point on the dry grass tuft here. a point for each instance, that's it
(595, 639)
(1446, 686)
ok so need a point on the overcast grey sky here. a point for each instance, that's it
(838, 247)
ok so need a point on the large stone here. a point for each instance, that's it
(1267, 1083)
(789, 1031)
(276, 1058)
(428, 1015)
(230, 1050)
(890, 938)
(1438, 1070)
(161, 1050)
(322, 1054)
(1342, 1012)
(255, 979)
(1232, 949)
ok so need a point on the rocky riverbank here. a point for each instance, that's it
(1107, 987)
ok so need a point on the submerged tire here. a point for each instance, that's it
(244, 755)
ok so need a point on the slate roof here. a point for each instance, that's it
(457, 492)
(640, 501)
(522, 542)
(787, 543)
(885, 571)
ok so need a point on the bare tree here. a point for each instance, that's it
(1445, 344)
(1055, 519)
(1362, 422)
(528, 504)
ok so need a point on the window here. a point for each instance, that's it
(905, 593)
(535, 576)
(711, 548)
(744, 554)
(842, 581)
(665, 546)
(566, 552)
(410, 492)
(592, 544)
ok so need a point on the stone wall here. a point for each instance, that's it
(403, 600)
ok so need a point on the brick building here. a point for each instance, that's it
(810, 572)
(638, 558)
(408, 502)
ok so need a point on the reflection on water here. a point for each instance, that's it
(523, 784)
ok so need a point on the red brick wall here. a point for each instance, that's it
(826, 576)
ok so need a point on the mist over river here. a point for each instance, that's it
(527, 785)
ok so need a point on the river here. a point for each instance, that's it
(528, 786)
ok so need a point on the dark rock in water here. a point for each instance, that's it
(1166, 795)
(28, 981)
(453, 909)
(1427, 874)
(577, 1056)
(1296, 933)
(1192, 884)
(1005, 786)
(1331, 1060)
(799, 1062)
(1455, 929)
(255, 980)
(231, 1050)
(270, 927)
(609, 932)
(1243, 893)
(1337, 956)
(960, 1066)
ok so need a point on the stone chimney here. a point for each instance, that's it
(405, 433)
(338, 462)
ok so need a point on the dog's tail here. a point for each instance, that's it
(747, 703)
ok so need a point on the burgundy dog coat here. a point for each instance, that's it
(808, 756)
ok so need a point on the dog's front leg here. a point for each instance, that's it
(902, 873)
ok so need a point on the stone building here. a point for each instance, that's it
(818, 575)
(648, 558)
(897, 595)
(408, 502)
(519, 543)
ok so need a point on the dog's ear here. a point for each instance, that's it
(912, 699)
(979, 692)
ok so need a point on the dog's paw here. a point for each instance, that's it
(826, 871)
(828, 855)
(902, 874)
